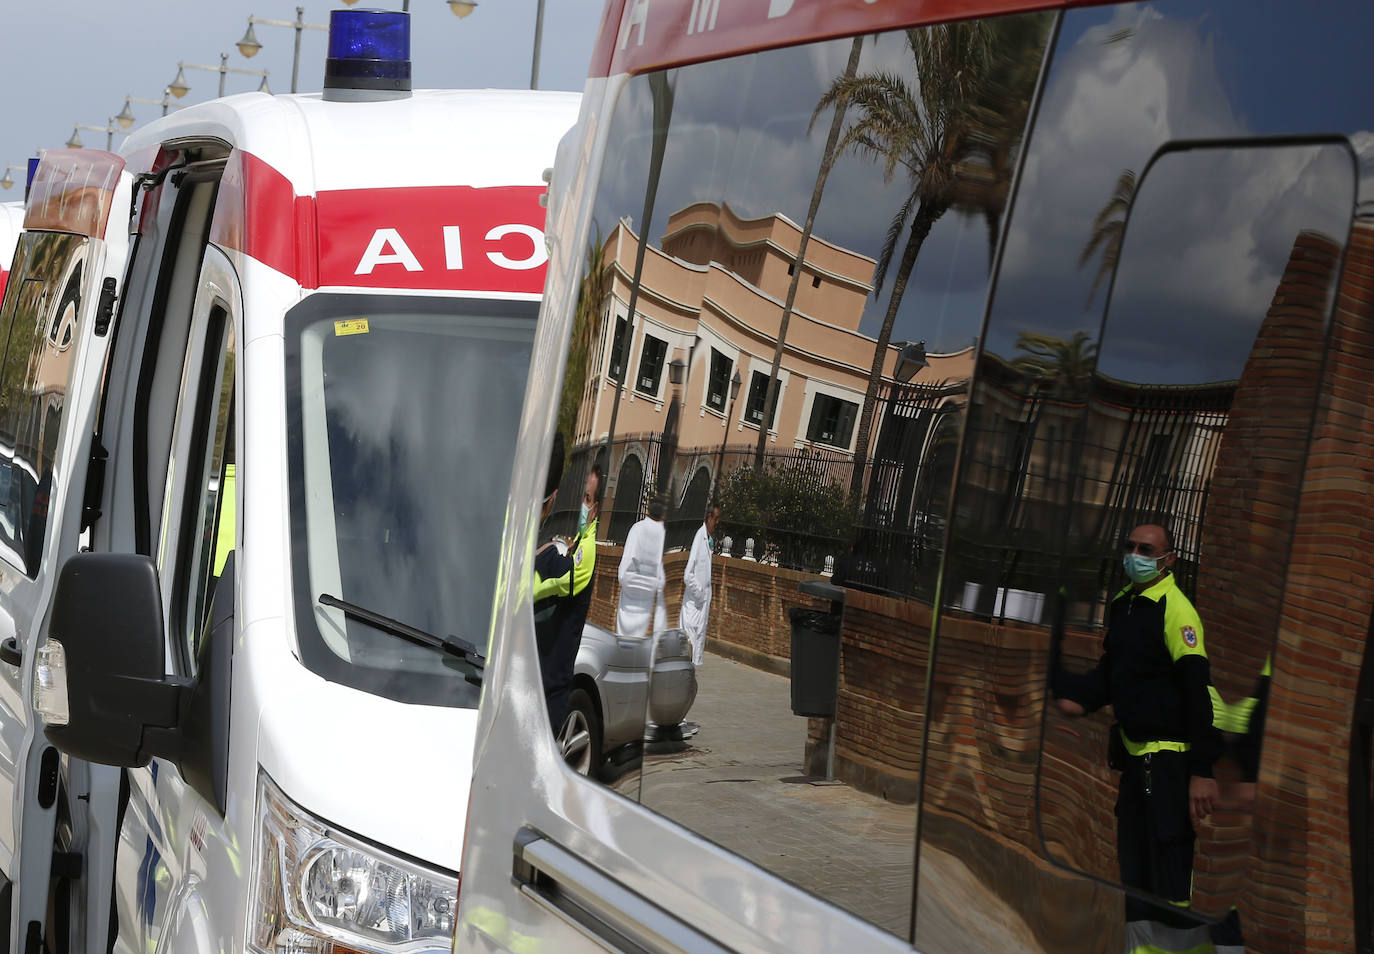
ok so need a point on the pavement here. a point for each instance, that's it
(739, 783)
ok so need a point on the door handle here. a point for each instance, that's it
(557, 879)
(10, 652)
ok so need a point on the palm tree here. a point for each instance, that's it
(1062, 369)
(588, 321)
(1108, 229)
(950, 133)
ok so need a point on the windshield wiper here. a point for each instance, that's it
(450, 645)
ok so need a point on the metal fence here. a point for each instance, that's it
(1048, 487)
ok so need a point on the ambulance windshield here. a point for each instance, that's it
(402, 415)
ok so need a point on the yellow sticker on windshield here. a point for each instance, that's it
(350, 326)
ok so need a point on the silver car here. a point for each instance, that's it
(613, 695)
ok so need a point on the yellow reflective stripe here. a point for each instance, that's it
(554, 586)
(584, 568)
(1204, 948)
(1268, 669)
(1148, 748)
(1232, 717)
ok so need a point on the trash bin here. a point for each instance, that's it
(815, 661)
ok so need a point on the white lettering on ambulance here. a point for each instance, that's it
(638, 17)
(375, 255)
(538, 256)
(703, 16)
(453, 248)
(780, 8)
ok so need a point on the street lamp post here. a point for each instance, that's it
(179, 87)
(677, 369)
(720, 458)
(108, 129)
(126, 117)
(538, 41)
(7, 182)
(249, 45)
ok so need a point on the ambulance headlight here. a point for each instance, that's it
(319, 890)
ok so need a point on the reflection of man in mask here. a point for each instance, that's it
(562, 595)
(696, 589)
(1155, 675)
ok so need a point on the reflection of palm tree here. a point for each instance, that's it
(1061, 368)
(946, 132)
(1108, 228)
(588, 320)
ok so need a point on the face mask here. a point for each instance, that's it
(582, 518)
(1140, 568)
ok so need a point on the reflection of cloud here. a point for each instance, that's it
(1127, 81)
(742, 135)
(1106, 108)
(422, 435)
(1208, 240)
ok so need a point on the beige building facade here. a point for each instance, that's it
(713, 297)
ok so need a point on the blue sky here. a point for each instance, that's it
(73, 61)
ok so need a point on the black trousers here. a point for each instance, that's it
(559, 639)
(1154, 836)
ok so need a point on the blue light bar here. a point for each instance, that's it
(28, 183)
(368, 50)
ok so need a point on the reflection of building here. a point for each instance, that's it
(713, 297)
(1054, 473)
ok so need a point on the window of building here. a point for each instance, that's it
(651, 365)
(758, 392)
(718, 384)
(618, 347)
(832, 421)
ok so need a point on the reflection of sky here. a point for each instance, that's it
(1209, 239)
(422, 431)
(739, 135)
(1127, 80)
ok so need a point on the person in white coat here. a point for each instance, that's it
(641, 610)
(696, 592)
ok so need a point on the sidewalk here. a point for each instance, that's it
(738, 782)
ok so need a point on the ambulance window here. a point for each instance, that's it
(1198, 412)
(211, 504)
(402, 416)
(696, 250)
(38, 331)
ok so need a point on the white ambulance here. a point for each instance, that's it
(11, 222)
(266, 367)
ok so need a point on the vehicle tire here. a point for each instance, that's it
(579, 738)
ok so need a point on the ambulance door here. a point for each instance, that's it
(172, 840)
(53, 329)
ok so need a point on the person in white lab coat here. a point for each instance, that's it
(641, 610)
(696, 593)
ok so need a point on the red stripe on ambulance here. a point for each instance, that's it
(435, 237)
(441, 238)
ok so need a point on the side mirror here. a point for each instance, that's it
(104, 663)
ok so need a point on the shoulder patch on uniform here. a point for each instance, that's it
(1190, 637)
(577, 557)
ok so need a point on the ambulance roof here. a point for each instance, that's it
(438, 191)
(435, 137)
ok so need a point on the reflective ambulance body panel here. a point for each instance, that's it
(938, 312)
(318, 353)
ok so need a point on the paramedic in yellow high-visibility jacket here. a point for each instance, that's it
(562, 595)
